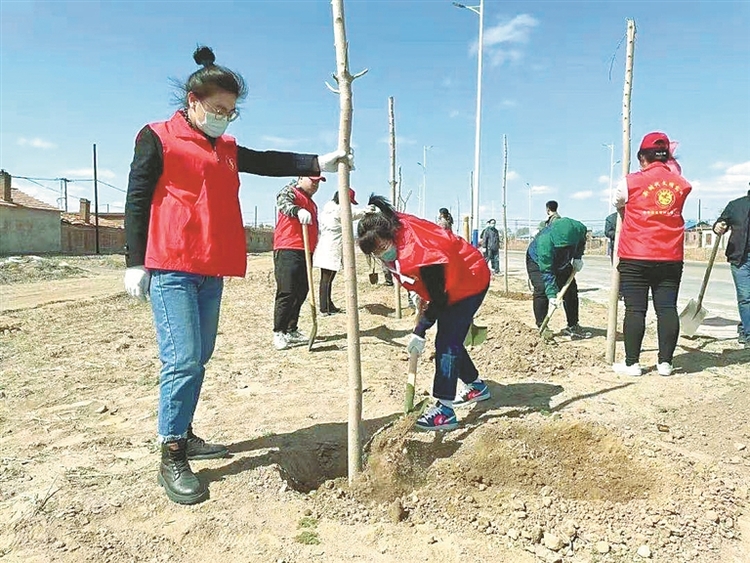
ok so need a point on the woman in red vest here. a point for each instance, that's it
(453, 277)
(184, 233)
(651, 251)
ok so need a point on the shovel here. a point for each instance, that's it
(308, 264)
(476, 335)
(560, 295)
(694, 313)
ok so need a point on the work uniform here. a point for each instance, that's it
(453, 277)
(651, 250)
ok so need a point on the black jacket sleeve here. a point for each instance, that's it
(145, 171)
(433, 278)
(276, 164)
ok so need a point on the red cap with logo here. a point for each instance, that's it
(655, 140)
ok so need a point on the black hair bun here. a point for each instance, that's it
(204, 56)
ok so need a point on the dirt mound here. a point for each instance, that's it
(513, 348)
(16, 269)
(555, 488)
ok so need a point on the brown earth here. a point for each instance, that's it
(566, 460)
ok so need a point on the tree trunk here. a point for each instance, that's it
(394, 195)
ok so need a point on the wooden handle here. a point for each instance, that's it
(709, 267)
(411, 382)
(560, 295)
(308, 264)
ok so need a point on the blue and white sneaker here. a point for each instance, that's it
(472, 393)
(438, 418)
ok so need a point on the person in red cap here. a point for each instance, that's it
(295, 208)
(651, 250)
(452, 277)
(328, 253)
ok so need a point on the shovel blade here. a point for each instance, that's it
(476, 335)
(691, 318)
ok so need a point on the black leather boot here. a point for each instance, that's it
(197, 448)
(175, 475)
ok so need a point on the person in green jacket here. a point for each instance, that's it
(555, 252)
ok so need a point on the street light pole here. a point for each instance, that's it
(479, 10)
(529, 186)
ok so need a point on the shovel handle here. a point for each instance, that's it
(308, 267)
(559, 297)
(411, 382)
(710, 265)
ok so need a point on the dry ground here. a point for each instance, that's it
(566, 463)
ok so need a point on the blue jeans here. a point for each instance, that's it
(452, 361)
(186, 315)
(741, 275)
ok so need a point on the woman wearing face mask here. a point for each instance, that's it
(184, 233)
(452, 276)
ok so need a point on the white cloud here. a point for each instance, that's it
(88, 173)
(36, 143)
(586, 194)
(496, 38)
(603, 179)
(454, 113)
(731, 184)
(512, 175)
(541, 189)
(509, 103)
(281, 142)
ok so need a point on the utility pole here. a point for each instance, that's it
(615, 279)
(96, 204)
(392, 127)
(256, 217)
(64, 186)
(505, 210)
(699, 211)
(529, 186)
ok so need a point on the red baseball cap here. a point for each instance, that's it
(654, 140)
(317, 178)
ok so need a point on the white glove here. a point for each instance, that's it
(577, 264)
(329, 162)
(304, 216)
(137, 280)
(553, 302)
(720, 228)
(415, 345)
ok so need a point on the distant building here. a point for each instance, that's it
(27, 225)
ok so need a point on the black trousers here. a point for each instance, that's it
(637, 277)
(324, 295)
(541, 301)
(291, 288)
(492, 258)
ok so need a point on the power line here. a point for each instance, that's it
(34, 181)
(37, 180)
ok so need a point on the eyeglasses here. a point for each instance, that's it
(230, 115)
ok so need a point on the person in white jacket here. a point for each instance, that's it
(328, 252)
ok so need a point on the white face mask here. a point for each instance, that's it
(212, 125)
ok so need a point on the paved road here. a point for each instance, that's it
(720, 298)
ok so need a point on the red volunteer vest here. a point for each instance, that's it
(653, 227)
(288, 232)
(423, 243)
(196, 223)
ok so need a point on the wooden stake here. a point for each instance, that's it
(394, 194)
(614, 294)
(344, 81)
(505, 210)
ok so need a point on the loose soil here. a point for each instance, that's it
(567, 462)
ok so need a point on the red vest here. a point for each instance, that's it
(288, 232)
(423, 243)
(653, 228)
(196, 222)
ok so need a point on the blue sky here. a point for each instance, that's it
(77, 73)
